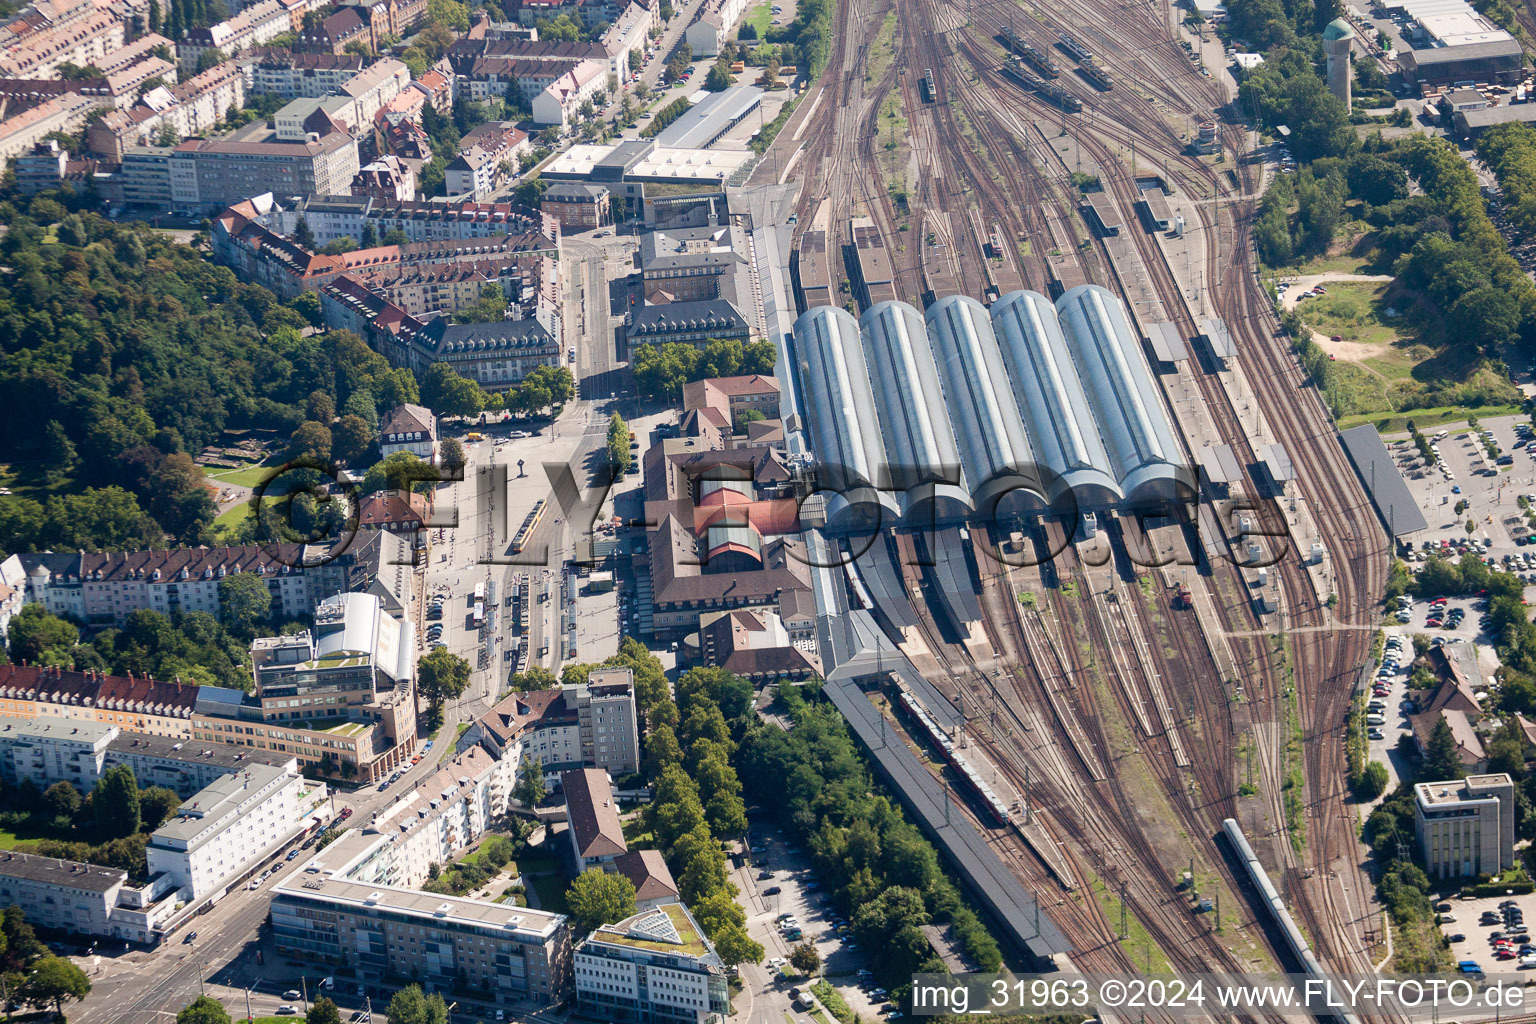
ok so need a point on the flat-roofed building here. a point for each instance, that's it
(47, 750)
(340, 698)
(1466, 827)
(349, 906)
(230, 826)
(653, 968)
(60, 894)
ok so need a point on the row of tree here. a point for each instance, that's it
(660, 372)
(881, 871)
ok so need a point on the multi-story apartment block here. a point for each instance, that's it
(340, 699)
(389, 178)
(50, 748)
(135, 704)
(354, 902)
(253, 26)
(102, 588)
(590, 724)
(274, 71)
(20, 134)
(185, 109)
(88, 40)
(186, 768)
(715, 23)
(83, 899)
(232, 825)
(488, 156)
(46, 750)
(443, 816)
(1466, 827)
(333, 33)
(653, 968)
(561, 101)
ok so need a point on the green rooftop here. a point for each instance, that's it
(691, 944)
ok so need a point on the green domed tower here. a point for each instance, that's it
(1338, 40)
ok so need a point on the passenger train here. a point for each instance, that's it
(986, 802)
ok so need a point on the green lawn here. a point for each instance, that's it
(1359, 311)
(232, 518)
(245, 476)
(278, 1020)
(759, 18)
(551, 890)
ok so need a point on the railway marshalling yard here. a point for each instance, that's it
(1118, 695)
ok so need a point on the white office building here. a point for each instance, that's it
(232, 825)
(653, 968)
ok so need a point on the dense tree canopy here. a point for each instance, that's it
(660, 373)
(138, 352)
(598, 897)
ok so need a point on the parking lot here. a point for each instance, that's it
(787, 897)
(1483, 934)
(1489, 469)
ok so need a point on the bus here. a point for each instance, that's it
(479, 614)
(472, 437)
(480, 593)
(531, 523)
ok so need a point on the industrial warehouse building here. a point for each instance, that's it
(1032, 405)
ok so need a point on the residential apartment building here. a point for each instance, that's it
(561, 101)
(298, 75)
(439, 819)
(80, 899)
(231, 826)
(560, 728)
(606, 721)
(102, 588)
(135, 704)
(20, 134)
(716, 22)
(488, 156)
(189, 108)
(87, 40)
(52, 748)
(500, 950)
(656, 967)
(1466, 827)
(388, 179)
(333, 33)
(46, 750)
(183, 767)
(355, 903)
(253, 26)
(592, 814)
(13, 583)
(409, 428)
(386, 18)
